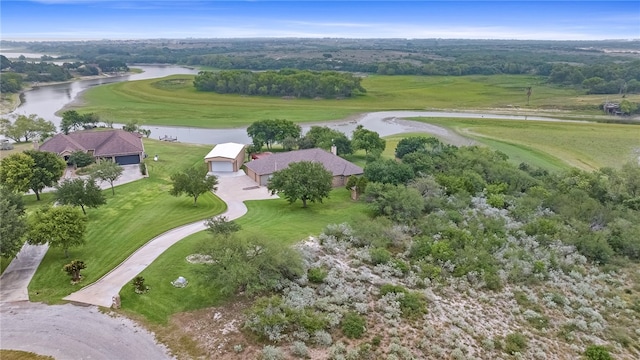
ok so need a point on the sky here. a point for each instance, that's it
(151, 19)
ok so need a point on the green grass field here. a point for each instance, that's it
(552, 145)
(138, 212)
(174, 100)
(275, 219)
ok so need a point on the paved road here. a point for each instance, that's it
(233, 190)
(75, 332)
(17, 276)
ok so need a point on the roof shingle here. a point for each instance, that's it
(335, 164)
(104, 143)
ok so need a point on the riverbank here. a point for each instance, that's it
(11, 102)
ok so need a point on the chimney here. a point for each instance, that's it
(334, 150)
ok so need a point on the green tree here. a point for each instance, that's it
(80, 159)
(221, 225)
(410, 145)
(270, 131)
(107, 171)
(627, 107)
(324, 137)
(48, 169)
(388, 171)
(397, 202)
(251, 264)
(60, 226)
(28, 127)
(12, 226)
(193, 182)
(16, 171)
(80, 192)
(367, 140)
(304, 180)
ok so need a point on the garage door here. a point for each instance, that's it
(221, 166)
(128, 160)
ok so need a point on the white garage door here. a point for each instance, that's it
(221, 166)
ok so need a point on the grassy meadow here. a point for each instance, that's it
(274, 219)
(138, 212)
(174, 101)
(552, 145)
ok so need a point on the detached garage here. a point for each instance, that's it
(227, 157)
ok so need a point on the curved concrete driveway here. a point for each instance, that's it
(232, 189)
(75, 332)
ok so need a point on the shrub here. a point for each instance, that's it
(322, 338)
(80, 159)
(272, 353)
(353, 325)
(412, 304)
(138, 285)
(597, 352)
(515, 343)
(143, 168)
(379, 256)
(73, 269)
(299, 349)
(316, 275)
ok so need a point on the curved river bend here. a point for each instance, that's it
(45, 101)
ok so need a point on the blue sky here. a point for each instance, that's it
(145, 19)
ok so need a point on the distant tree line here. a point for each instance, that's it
(580, 64)
(32, 71)
(287, 82)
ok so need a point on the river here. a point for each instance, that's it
(46, 100)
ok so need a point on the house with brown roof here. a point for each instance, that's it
(261, 170)
(116, 145)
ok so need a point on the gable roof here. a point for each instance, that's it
(335, 164)
(103, 143)
(225, 150)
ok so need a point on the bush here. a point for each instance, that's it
(412, 304)
(272, 353)
(143, 168)
(353, 325)
(138, 285)
(379, 256)
(316, 275)
(597, 352)
(299, 349)
(80, 159)
(515, 343)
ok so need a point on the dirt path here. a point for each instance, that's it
(75, 332)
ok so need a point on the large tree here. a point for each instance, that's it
(28, 127)
(80, 192)
(304, 180)
(16, 171)
(367, 140)
(193, 182)
(13, 224)
(107, 171)
(324, 137)
(250, 264)
(388, 171)
(272, 131)
(60, 226)
(48, 169)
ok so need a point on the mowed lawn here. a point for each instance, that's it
(138, 212)
(274, 219)
(552, 145)
(174, 101)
